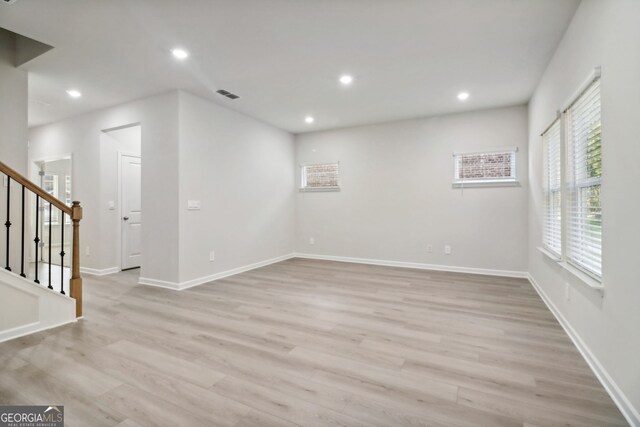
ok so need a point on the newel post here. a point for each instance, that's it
(76, 280)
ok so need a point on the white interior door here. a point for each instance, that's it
(131, 210)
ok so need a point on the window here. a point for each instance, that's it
(321, 177)
(491, 167)
(551, 188)
(50, 185)
(584, 178)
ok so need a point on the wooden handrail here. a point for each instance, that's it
(17, 177)
(74, 212)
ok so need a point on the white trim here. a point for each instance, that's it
(28, 286)
(318, 189)
(584, 277)
(96, 272)
(489, 150)
(622, 402)
(486, 183)
(595, 74)
(179, 286)
(29, 329)
(547, 252)
(159, 283)
(223, 274)
(417, 265)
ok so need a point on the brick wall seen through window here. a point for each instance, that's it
(483, 167)
(320, 176)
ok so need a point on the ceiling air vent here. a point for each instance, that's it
(227, 94)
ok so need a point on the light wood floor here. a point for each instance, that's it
(310, 343)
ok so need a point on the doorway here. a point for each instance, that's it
(123, 145)
(53, 175)
(131, 211)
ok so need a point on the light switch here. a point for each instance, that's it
(193, 205)
(112, 205)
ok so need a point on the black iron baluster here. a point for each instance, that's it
(62, 254)
(8, 223)
(50, 221)
(22, 239)
(37, 239)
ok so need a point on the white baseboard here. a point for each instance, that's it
(623, 403)
(201, 280)
(28, 329)
(96, 272)
(159, 283)
(417, 265)
(631, 414)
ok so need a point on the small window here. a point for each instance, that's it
(491, 167)
(322, 177)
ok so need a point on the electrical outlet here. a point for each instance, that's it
(567, 291)
(87, 251)
(429, 249)
(212, 256)
(312, 241)
(194, 205)
(447, 249)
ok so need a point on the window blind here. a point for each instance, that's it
(485, 167)
(584, 176)
(321, 176)
(551, 187)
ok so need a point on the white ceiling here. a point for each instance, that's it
(409, 58)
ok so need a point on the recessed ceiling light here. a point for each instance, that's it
(74, 93)
(346, 79)
(309, 119)
(463, 96)
(180, 53)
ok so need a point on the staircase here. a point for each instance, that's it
(41, 293)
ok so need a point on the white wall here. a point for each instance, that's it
(606, 34)
(13, 136)
(242, 171)
(17, 307)
(397, 196)
(239, 168)
(94, 179)
(13, 106)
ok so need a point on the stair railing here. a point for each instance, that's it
(41, 199)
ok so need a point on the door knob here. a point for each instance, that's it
(126, 218)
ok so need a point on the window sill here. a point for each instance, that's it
(494, 183)
(550, 254)
(318, 189)
(585, 278)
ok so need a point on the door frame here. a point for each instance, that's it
(33, 175)
(121, 155)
